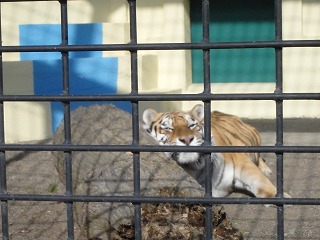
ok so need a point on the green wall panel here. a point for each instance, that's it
(234, 21)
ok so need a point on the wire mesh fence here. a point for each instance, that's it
(135, 97)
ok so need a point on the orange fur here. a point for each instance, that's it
(232, 170)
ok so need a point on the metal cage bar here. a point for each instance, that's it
(135, 117)
(155, 200)
(134, 97)
(150, 148)
(164, 46)
(67, 116)
(3, 167)
(279, 117)
(207, 115)
(163, 97)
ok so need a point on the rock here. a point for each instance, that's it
(111, 174)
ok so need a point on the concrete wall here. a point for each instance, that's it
(301, 69)
(158, 21)
(301, 65)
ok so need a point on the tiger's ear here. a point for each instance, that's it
(148, 117)
(198, 112)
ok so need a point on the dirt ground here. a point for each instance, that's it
(301, 180)
(34, 173)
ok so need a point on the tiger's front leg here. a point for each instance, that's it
(222, 177)
(234, 172)
(249, 177)
(253, 180)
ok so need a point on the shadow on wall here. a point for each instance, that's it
(89, 72)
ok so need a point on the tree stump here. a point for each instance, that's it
(111, 174)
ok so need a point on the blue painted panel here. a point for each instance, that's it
(50, 34)
(87, 76)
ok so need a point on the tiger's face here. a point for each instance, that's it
(178, 129)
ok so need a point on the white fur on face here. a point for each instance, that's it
(187, 157)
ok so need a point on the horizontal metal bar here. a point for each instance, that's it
(170, 200)
(157, 148)
(29, 1)
(163, 46)
(162, 97)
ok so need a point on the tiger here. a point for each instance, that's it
(232, 171)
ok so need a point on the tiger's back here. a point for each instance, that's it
(230, 130)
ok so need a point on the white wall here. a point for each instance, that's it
(161, 21)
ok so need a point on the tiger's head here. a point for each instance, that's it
(178, 129)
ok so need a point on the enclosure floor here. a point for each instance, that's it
(34, 173)
(301, 180)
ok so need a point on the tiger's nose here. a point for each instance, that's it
(186, 139)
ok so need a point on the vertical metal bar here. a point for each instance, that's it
(67, 119)
(135, 118)
(207, 115)
(3, 166)
(279, 117)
